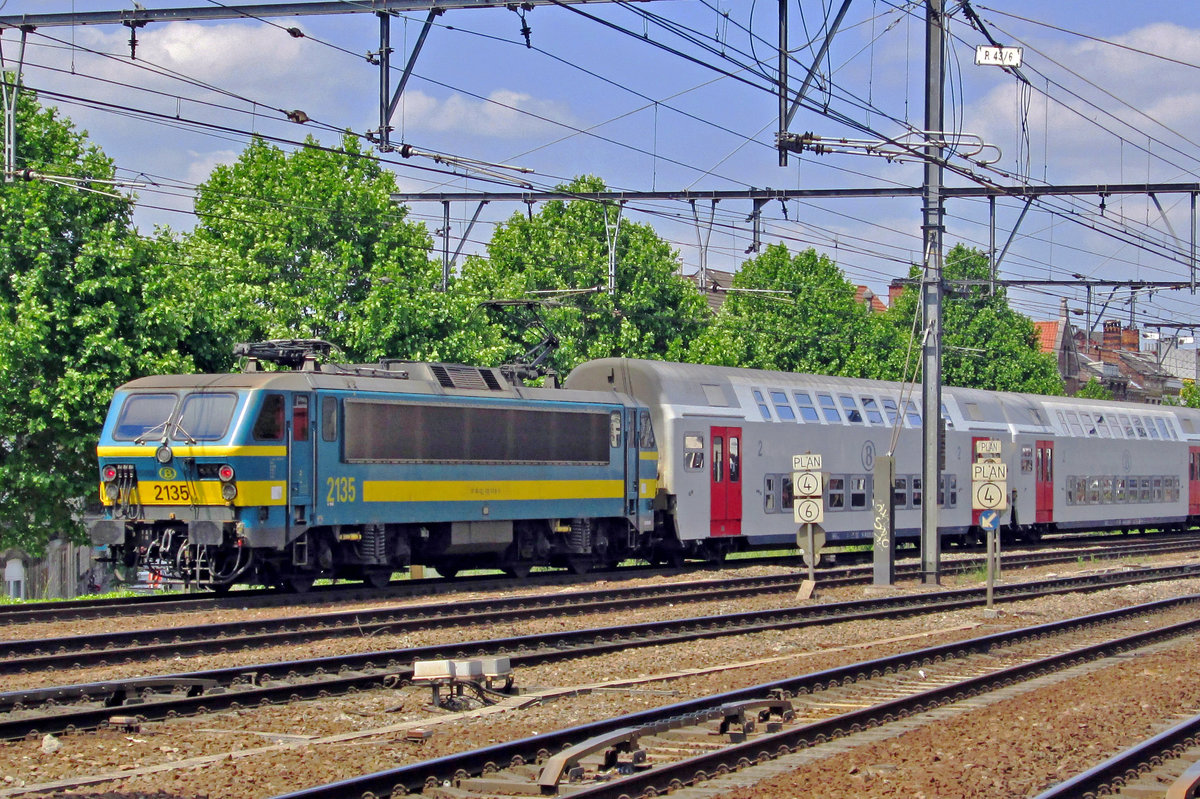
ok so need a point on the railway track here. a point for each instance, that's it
(1166, 765)
(78, 651)
(77, 707)
(672, 748)
(34, 612)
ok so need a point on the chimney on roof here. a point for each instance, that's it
(895, 289)
(1111, 342)
(1130, 340)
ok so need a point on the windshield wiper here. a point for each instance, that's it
(141, 439)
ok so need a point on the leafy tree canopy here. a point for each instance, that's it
(1094, 389)
(563, 249)
(985, 344)
(796, 313)
(308, 244)
(80, 313)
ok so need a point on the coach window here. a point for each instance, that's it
(1119, 491)
(787, 493)
(889, 407)
(1161, 424)
(269, 425)
(782, 406)
(1073, 420)
(762, 404)
(859, 488)
(853, 415)
(829, 408)
(693, 452)
(912, 414)
(917, 493)
(948, 490)
(835, 497)
(718, 465)
(1106, 490)
(1145, 489)
(1126, 426)
(329, 418)
(872, 409)
(1158, 489)
(1137, 425)
(900, 492)
(769, 485)
(1072, 488)
(946, 417)
(1150, 426)
(300, 418)
(1089, 426)
(804, 402)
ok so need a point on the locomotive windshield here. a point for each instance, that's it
(195, 417)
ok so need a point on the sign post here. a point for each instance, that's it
(989, 496)
(884, 507)
(808, 508)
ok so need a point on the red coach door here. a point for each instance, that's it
(726, 477)
(1045, 481)
(1194, 481)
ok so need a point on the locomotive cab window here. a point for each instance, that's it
(645, 431)
(614, 429)
(143, 413)
(693, 451)
(329, 418)
(269, 424)
(204, 417)
(300, 418)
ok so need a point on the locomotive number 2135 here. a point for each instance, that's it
(341, 489)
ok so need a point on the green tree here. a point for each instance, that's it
(563, 248)
(796, 313)
(76, 286)
(985, 344)
(308, 244)
(1094, 389)
(1189, 395)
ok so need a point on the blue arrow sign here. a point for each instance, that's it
(989, 519)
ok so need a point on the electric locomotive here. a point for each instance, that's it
(324, 470)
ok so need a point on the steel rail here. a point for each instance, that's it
(415, 777)
(1108, 777)
(248, 684)
(27, 655)
(46, 611)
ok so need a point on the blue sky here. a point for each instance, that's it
(1113, 99)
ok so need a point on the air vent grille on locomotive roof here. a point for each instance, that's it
(453, 376)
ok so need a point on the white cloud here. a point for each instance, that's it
(504, 114)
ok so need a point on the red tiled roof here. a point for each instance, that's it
(876, 305)
(1047, 335)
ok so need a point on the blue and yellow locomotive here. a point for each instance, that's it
(357, 471)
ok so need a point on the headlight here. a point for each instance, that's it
(112, 492)
(228, 491)
(163, 454)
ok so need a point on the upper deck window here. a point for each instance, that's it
(144, 414)
(872, 409)
(889, 407)
(205, 417)
(762, 405)
(804, 402)
(853, 415)
(782, 406)
(912, 414)
(829, 408)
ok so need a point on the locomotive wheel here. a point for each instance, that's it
(377, 579)
(580, 564)
(447, 570)
(518, 569)
(298, 583)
